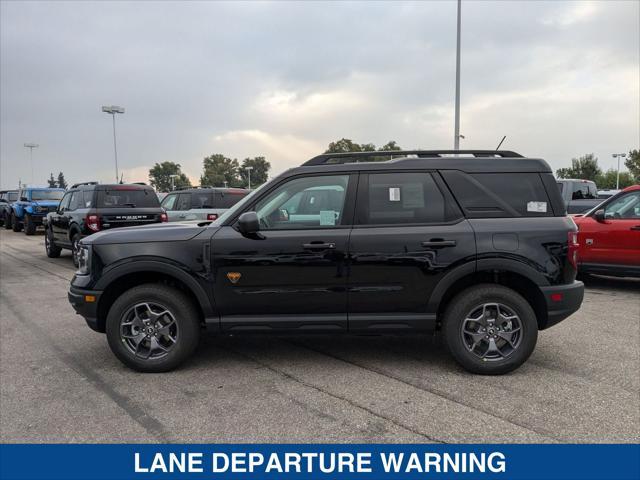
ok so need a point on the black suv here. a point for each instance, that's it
(89, 207)
(7, 197)
(475, 244)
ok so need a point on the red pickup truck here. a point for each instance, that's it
(609, 236)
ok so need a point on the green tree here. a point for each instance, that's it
(607, 180)
(160, 176)
(585, 168)
(633, 164)
(390, 146)
(344, 145)
(52, 181)
(219, 171)
(62, 183)
(259, 172)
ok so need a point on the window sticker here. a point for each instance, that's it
(328, 217)
(394, 194)
(537, 207)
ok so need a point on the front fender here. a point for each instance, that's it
(162, 266)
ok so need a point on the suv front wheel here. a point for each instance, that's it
(153, 328)
(490, 329)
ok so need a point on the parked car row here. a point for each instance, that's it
(86, 208)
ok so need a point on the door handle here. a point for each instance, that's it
(635, 227)
(439, 243)
(319, 246)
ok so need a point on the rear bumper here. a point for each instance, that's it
(562, 301)
(80, 301)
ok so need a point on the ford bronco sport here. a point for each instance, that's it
(473, 244)
(90, 207)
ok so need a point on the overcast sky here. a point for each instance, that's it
(282, 80)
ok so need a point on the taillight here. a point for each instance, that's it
(93, 222)
(163, 217)
(212, 216)
(572, 251)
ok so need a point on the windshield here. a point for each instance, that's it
(126, 197)
(241, 204)
(47, 194)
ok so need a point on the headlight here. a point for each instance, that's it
(84, 260)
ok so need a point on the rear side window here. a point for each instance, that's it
(492, 195)
(77, 200)
(127, 198)
(401, 198)
(13, 196)
(184, 202)
(228, 199)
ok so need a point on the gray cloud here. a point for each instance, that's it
(284, 79)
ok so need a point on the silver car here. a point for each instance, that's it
(201, 203)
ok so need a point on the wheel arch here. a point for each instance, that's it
(521, 279)
(117, 281)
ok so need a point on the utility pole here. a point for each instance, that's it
(618, 155)
(112, 110)
(248, 169)
(31, 146)
(456, 135)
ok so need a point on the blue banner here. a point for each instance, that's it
(319, 461)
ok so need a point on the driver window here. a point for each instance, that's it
(625, 207)
(64, 203)
(309, 202)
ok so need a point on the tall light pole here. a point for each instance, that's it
(173, 177)
(456, 135)
(248, 169)
(31, 146)
(618, 155)
(112, 110)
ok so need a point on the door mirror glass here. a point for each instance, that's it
(599, 215)
(24, 199)
(248, 223)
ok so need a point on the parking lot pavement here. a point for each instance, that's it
(59, 381)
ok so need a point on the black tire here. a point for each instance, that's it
(7, 222)
(75, 244)
(29, 225)
(16, 226)
(173, 300)
(53, 251)
(465, 304)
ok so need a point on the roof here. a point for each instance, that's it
(472, 161)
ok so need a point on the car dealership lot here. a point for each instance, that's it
(59, 382)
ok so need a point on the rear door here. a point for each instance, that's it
(407, 235)
(127, 206)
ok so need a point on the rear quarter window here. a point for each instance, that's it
(228, 199)
(492, 195)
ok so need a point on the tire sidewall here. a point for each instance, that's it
(471, 298)
(53, 251)
(15, 224)
(75, 241)
(183, 311)
(29, 226)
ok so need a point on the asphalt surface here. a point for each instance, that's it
(59, 382)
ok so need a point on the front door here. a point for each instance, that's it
(292, 275)
(616, 241)
(60, 222)
(407, 235)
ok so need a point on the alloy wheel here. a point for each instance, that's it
(149, 330)
(491, 331)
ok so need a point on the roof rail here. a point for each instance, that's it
(76, 185)
(351, 157)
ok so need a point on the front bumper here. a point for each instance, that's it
(562, 301)
(85, 303)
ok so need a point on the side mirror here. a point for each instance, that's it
(249, 223)
(599, 215)
(24, 199)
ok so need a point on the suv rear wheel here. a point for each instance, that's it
(153, 328)
(15, 224)
(490, 329)
(53, 251)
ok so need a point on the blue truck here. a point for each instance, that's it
(32, 207)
